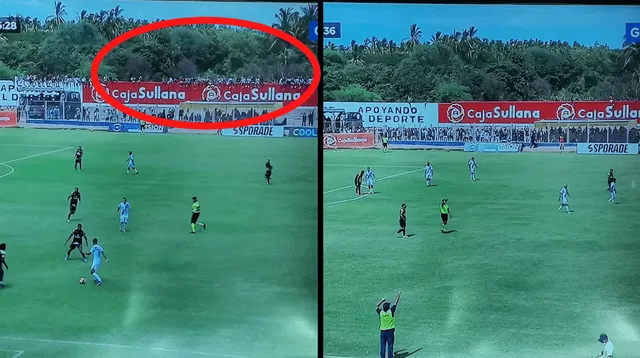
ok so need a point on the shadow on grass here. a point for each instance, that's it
(404, 353)
(448, 231)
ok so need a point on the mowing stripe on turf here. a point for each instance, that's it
(363, 196)
(364, 166)
(111, 345)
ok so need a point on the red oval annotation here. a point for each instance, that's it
(204, 20)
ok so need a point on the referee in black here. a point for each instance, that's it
(387, 317)
(358, 182)
(609, 179)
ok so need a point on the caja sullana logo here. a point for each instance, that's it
(117, 127)
(211, 94)
(455, 113)
(330, 140)
(566, 111)
(94, 94)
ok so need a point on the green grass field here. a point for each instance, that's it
(516, 280)
(246, 287)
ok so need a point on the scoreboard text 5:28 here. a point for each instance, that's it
(9, 25)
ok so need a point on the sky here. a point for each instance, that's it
(584, 24)
(150, 10)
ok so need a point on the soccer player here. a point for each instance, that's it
(472, 169)
(564, 199)
(612, 190)
(195, 215)
(562, 143)
(269, 169)
(358, 182)
(403, 221)
(3, 261)
(385, 143)
(143, 126)
(74, 200)
(98, 253)
(77, 236)
(370, 177)
(428, 173)
(79, 154)
(123, 209)
(131, 165)
(444, 214)
(609, 179)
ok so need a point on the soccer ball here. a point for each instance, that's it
(82, 281)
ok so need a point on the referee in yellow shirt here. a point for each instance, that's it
(195, 215)
(387, 316)
(445, 213)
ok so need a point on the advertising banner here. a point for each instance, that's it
(392, 115)
(8, 118)
(530, 112)
(302, 132)
(347, 140)
(493, 147)
(176, 93)
(607, 148)
(135, 128)
(9, 95)
(255, 131)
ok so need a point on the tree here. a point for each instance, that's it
(463, 65)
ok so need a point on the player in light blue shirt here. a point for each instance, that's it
(131, 164)
(428, 173)
(564, 199)
(472, 169)
(98, 253)
(123, 209)
(612, 190)
(370, 178)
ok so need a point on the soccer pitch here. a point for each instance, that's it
(245, 287)
(516, 280)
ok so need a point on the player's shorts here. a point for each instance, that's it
(76, 245)
(131, 165)
(384, 145)
(428, 177)
(78, 160)
(143, 126)
(565, 202)
(445, 218)
(72, 208)
(473, 171)
(95, 266)
(195, 217)
(403, 223)
(369, 182)
(124, 219)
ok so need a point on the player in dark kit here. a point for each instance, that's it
(609, 179)
(403, 221)
(77, 236)
(3, 262)
(267, 174)
(358, 182)
(74, 200)
(79, 154)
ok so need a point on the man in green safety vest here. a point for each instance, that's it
(387, 317)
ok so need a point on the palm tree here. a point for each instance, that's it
(415, 33)
(58, 17)
(286, 21)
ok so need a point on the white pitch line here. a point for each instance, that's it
(9, 173)
(18, 354)
(383, 178)
(28, 145)
(363, 196)
(364, 166)
(111, 345)
(36, 155)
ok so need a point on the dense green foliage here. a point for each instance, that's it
(462, 66)
(58, 46)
